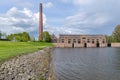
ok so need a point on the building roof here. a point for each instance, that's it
(80, 35)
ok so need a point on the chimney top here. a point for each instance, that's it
(40, 3)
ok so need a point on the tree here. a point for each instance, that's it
(23, 37)
(0, 34)
(32, 38)
(109, 39)
(46, 36)
(116, 34)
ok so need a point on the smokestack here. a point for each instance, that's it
(40, 23)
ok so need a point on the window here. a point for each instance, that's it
(69, 41)
(103, 41)
(83, 38)
(74, 40)
(88, 40)
(62, 40)
(93, 41)
(79, 41)
(97, 40)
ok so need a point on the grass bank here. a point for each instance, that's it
(12, 49)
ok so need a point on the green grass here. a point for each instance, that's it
(11, 49)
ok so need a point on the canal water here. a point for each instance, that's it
(86, 63)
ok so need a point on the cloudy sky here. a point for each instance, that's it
(60, 16)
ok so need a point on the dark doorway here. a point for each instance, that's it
(97, 45)
(85, 45)
(72, 45)
(109, 44)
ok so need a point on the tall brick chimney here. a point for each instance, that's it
(40, 23)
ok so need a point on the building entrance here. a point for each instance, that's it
(73, 45)
(109, 44)
(85, 45)
(98, 45)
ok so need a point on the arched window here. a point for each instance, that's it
(79, 41)
(93, 41)
(62, 41)
(69, 41)
(97, 40)
(103, 41)
(88, 40)
(74, 40)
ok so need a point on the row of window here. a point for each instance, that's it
(79, 41)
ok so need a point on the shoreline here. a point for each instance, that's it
(28, 66)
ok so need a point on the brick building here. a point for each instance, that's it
(81, 41)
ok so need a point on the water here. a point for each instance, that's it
(86, 63)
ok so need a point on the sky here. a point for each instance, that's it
(60, 16)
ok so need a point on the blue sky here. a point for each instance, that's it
(60, 16)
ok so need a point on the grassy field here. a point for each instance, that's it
(12, 49)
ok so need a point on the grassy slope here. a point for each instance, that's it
(12, 49)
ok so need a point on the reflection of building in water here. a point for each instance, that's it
(81, 41)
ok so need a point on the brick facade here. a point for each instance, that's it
(81, 41)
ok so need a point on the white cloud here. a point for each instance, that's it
(20, 3)
(80, 23)
(81, 19)
(64, 1)
(92, 16)
(79, 2)
(15, 20)
(101, 20)
(48, 5)
(82, 2)
(25, 4)
(27, 12)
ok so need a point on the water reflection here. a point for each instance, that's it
(86, 63)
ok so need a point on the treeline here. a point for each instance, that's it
(23, 37)
(20, 37)
(115, 36)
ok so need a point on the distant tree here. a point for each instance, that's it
(109, 39)
(116, 33)
(0, 34)
(46, 36)
(23, 37)
(10, 37)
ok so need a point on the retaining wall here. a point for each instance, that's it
(76, 45)
(115, 44)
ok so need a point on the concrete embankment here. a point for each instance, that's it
(34, 66)
(115, 44)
